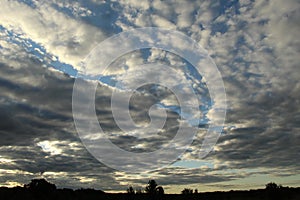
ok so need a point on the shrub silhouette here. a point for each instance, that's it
(160, 190)
(187, 191)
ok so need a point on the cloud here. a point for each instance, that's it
(259, 104)
(254, 44)
(37, 130)
(68, 39)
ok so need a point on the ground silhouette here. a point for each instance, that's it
(40, 189)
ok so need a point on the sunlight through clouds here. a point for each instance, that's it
(50, 147)
(255, 45)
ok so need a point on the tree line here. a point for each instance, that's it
(39, 189)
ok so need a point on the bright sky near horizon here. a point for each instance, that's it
(254, 43)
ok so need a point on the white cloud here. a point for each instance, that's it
(135, 4)
(69, 39)
(50, 147)
(162, 22)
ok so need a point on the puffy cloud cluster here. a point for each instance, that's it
(253, 43)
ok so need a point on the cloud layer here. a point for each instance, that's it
(253, 43)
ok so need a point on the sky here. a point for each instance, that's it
(254, 44)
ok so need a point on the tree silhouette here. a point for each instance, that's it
(40, 185)
(151, 187)
(139, 191)
(272, 186)
(41, 189)
(130, 190)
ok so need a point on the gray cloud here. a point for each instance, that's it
(255, 48)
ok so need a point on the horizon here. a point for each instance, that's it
(142, 189)
(109, 94)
